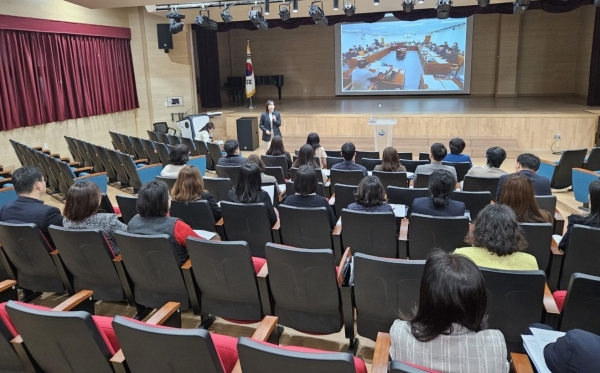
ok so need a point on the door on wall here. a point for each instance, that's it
(427, 39)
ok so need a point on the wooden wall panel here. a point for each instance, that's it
(584, 52)
(484, 62)
(508, 48)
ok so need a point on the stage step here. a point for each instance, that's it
(475, 146)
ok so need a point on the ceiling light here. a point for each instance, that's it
(284, 12)
(257, 18)
(294, 5)
(175, 24)
(408, 6)
(443, 8)
(336, 4)
(349, 9)
(483, 3)
(316, 13)
(375, 2)
(205, 21)
(267, 6)
(225, 15)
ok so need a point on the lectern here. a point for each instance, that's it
(383, 129)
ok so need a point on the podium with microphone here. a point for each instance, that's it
(191, 124)
(383, 130)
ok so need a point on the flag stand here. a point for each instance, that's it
(251, 105)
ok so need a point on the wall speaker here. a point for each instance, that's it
(165, 38)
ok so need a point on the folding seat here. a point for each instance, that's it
(150, 150)
(202, 149)
(411, 165)
(352, 177)
(333, 160)
(290, 191)
(318, 172)
(128, 146)
(231, 172)
(581, 254)
(138, 176)
(371, 233)
(218, 187)
(581, 304)
(276, 161)
(406, 196)
(343, 197)
(592, 162)
(196, 214)
(277, 173)
(581, 184)
(427, 232)
(117, 143)
(474, 201)
(122, 175)
(106, 163)
(461, 169)
(307, 227)
(405, 155)
(127, 207)
(360, 154)
(174, 140)
(167, 180)
(9, 359)
(91, 152)
(214, 150)
(7, 194)
(190, 144)
(478, 184)
(71, 176)
(424, 156)
(370, 163)
(152, 135)
(539, 242)
(73, 149)
(162, 150)
(421, 180)
(560, 173)
(397, 179)
(163, 138)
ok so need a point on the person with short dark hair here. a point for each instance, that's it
(518, 194)
(189, 187)
(248, 190)
(495, 157)
(447, 331)
(436, 156)
(81, 212)
(348, 151)
(30, 186)
(305, 186)
(498, 241)
(370, 196)
(277, 149)
(457, 145)
(592, 219)
(153, 206)
(528, 165)
(313, 140)
(178, 157)
(306, 156)
(390, 161)
(441, 186)
(233, 158)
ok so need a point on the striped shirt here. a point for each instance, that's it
(462, 351)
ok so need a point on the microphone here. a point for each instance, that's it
(374, 114)
(189, 110)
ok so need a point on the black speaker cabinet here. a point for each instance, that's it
(247, 133)
(165, 38)
(598, 133)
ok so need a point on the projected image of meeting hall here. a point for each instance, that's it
(397, 57)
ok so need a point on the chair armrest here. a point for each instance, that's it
(347, 254)
(559, 223)
(83, 169)
(7, 284)
(118, 258)
(381, 355)
(276, 226)
(403, 233)
(265, 328)
(91, 175)
(5, 173)
(75, 164)
(150, 166)
(549, 303)
(337, 230)
(37, 148)
(264, 271)
(8, 291)
(164, 313)
(520, 363)
(276, 230)
(74, 301)
(6, 180)
(262, 278)
(219, 223)
(555, 250)
(118, 361)
(65, 159)
(187, 265)
(136, 161)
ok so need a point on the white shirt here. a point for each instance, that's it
(360, 78)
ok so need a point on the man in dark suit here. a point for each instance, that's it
(348, 151)
(270, 121)
(233, 158)
(528, 164)
(30, 186)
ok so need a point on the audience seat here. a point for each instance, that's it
(397, 179)
(427, 232)
(218, 187)
(474, 201)
(580, 304)
(371, 233)
(560, 173)
(478, 184)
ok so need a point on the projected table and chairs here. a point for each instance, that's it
(371, 57)
(429, 82)
(432, 63)
(391, 79)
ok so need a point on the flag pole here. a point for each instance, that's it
(251, 105)
(250, 83)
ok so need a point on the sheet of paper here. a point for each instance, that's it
(399, 210)
(326, 173)
(557, 238)
(410, 175)
(281, 187)
(535, 353)
(270, 189)
(544, 337)
(205, 234)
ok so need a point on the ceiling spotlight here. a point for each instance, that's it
(267, 6)
(294, 6)
(175, 24)
(349, 9)
(408, 5)
(421, 1)
(225, 15)
(257, 18)
(483, 3)
(336, 4)
(443, 8)
(520, 6)
(284, 12)
(205, 21)
(375, 2)
(316, 13)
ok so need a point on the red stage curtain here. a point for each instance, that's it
(50, 77)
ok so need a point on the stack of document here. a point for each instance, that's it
(534, 345)
(205, 234)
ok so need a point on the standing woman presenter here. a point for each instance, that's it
(270, 121)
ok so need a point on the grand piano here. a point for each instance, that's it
(236, 83)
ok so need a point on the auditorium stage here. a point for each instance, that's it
(530, 122)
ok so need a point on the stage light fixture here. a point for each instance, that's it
(483, 3)
(408, 6)
(225, 15)
(520, 6)
(267, 7)
(205, 21)
(349, 9)
(336, 4)
(443, 8)
(257, 18)
(597, 3)
(316, 13)
(294, 6)
(284, 12)
(175, 24)
(375, 2)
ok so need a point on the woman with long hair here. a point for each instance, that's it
(264, 178)
(518, 194)
(370, 196)
(591, 220)
(205, 133)
(81, 212)
(189, 187)
(248, 190)
(498, 241)
(441, 186)
(390, 161)
(277, 149)
(270, 121)
(448, 331)
(306, 156)
(313, 140)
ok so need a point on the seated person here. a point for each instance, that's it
(348, 151)
(370, 196)
(306, 157)
(591, 220)
(390, 161)
(457, 145)
(189, 187)
(153, 206)
(30, 186)
(441, 186)
(436, 156)
(233, 158)
(178, 157)
(81, 212)
(263, 177)
(305, 186)
(248, 190)
(528, 165)
(495, 156)
(277, 149)
(498, 241)
(361, 76)
(517, 194)
(205, 133)
(448, 332)
(313, 140)
(577, 351)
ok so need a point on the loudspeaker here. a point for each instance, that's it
(247, 133)
(165, 38)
